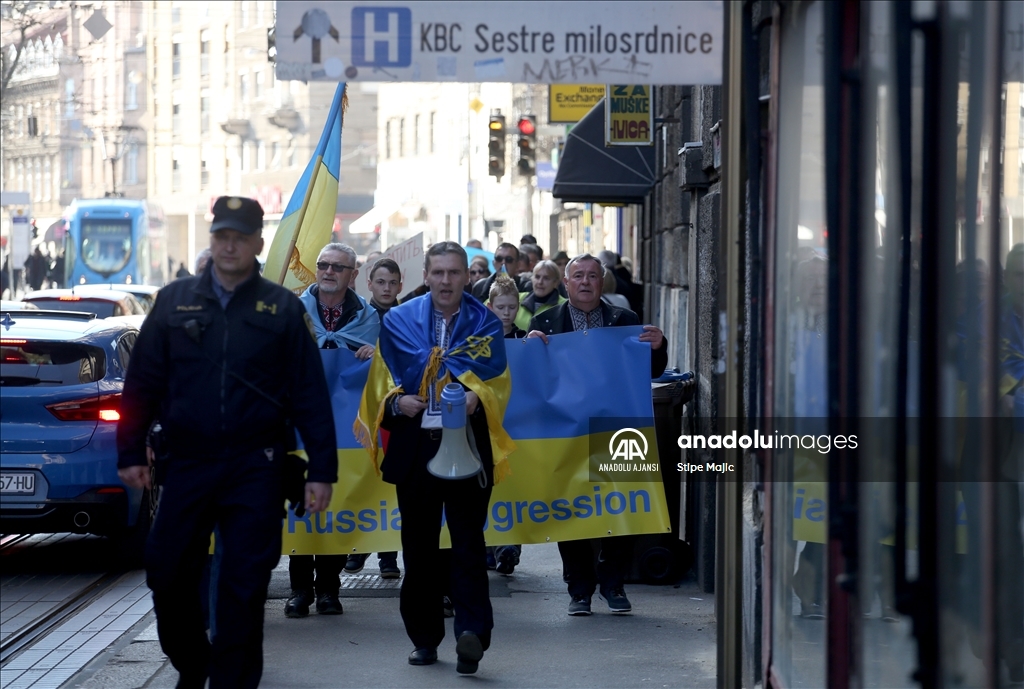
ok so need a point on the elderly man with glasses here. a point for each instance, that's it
(338, 317)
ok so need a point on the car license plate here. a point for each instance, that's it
(24, 484)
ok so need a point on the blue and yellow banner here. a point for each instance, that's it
(308, 220)
(548, 496)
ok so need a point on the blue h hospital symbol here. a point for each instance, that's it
(381, 36)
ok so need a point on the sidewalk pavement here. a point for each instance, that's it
(668, 640)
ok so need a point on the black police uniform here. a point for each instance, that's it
(224, 382)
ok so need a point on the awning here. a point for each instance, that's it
(589, 172)
(369, 220)
(55, 231)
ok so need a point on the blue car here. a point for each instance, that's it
(61, 377)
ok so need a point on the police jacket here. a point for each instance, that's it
(558, 320)
(226, 381)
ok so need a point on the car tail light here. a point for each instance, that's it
(13, 342)
(102, 408)
(69, 298)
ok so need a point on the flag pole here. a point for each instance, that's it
(309, 188)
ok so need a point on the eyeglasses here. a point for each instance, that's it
(338, 268)
(505, 259)
(477, 271)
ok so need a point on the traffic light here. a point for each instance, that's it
(496, 146)
(527, 127)
(271, 45)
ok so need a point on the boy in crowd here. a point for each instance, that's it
(504, 302)
(385, 283)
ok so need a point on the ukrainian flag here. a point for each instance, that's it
(309, 218)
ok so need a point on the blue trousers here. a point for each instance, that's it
(242, 498)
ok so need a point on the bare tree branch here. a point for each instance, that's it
(25, 17)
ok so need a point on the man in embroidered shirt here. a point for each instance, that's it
(584, 279)
(339, 316)
(445, 336)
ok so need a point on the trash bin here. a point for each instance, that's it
(663, 558)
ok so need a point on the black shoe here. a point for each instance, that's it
(328, 604)
(423, 656)
(579, 606)
(389, 569)
(298, 605)
(617, 601)
(190, 682)
(354, 563)
(449, 607)
(470, 650)
(508, 558)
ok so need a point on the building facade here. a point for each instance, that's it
(223, 124)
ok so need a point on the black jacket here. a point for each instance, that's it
(558, 320)
(482, 287)
(226, 382)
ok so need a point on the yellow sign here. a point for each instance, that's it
(568, 103)
(549, 497)
(629, 115)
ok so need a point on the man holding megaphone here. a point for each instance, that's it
(439, 383)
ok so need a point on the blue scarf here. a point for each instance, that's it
(361, 330)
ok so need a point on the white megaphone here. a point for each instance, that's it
(455, 459)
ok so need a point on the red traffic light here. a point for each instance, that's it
(526, 126)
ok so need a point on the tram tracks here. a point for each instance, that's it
(39, 602)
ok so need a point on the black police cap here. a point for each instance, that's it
(237, 213)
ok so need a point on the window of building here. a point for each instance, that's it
(433, 121)
(38, 188)
(94, 100)
(175, 175)
(176, 60)
(175, 14)
(131, 165)
(401, 136)
(259, 12)
(176, 119)
(387, 138)
(69, 166)
(55, 179)
(204, 174)
(291, 155)
(416, 135)
(261, 155)
(246, 156)
(204, 113)
(258, 83)
(131, 92)
(243, 88)
(47, 181)
(244, 15)
(275, 155)
(204, 57)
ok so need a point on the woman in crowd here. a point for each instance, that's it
(546, 277)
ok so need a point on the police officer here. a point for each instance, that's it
(226, 360)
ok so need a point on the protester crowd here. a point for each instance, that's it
(460, 304)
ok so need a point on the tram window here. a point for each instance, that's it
(106, 244)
